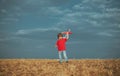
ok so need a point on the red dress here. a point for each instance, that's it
(61, 44)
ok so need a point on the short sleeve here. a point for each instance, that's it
(65, 39)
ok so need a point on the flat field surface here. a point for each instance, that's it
(51, 67)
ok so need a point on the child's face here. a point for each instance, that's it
(60, 37)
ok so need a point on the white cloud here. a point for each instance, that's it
(20, 32)
(6, 38)
(56, 11)
(80, 7)
(93, 22)
(71, 18)
(96, 1)
(4, 23)
(28, 31)
(20, 38)
(114, 31)
(105, 34)
(102, 6)
(113, 10)
(86, 1)
(10, 19)
(119, 25)
(18, 8)
(37, 2)
(3, 39)
(95, 15)
(105, 15)
(76, 6)
(3, 10)
(106, 12)
(75, 14)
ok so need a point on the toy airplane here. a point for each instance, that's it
(69, 32)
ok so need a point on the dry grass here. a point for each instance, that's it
(45, 67)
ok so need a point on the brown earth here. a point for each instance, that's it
(47, 67)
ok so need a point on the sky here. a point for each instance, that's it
(29, 28)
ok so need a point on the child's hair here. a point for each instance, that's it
(59, 35)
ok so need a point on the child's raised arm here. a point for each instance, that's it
(67, 35)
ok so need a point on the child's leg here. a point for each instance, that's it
(60, 57)
(65, 55)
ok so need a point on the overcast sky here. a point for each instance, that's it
(28, 28)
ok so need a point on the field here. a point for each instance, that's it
(47, 67)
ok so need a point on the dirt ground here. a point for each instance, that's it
(51, 67)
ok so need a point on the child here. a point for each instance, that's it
(61, 45)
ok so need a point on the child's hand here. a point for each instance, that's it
(56, 46)
(62, 32)
(67, 32)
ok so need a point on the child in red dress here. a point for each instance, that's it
(61, 46)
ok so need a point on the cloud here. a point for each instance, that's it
(96, 19)
(18, 8)
(104, 15)
(4, 23)
(96, 1)
(6, 38)
(20, 32)
(91, 4)
(77, 6)
(88, 7)
(80, 7)
(85, 1)
(93, 22)
(3, 10)
(119, 25)
(10, 19)
(70, 18)
(75, 14)
(36, 2)
(113, 10)
(28, 31)
(105, 34)
(1, 39)
(56, 11)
